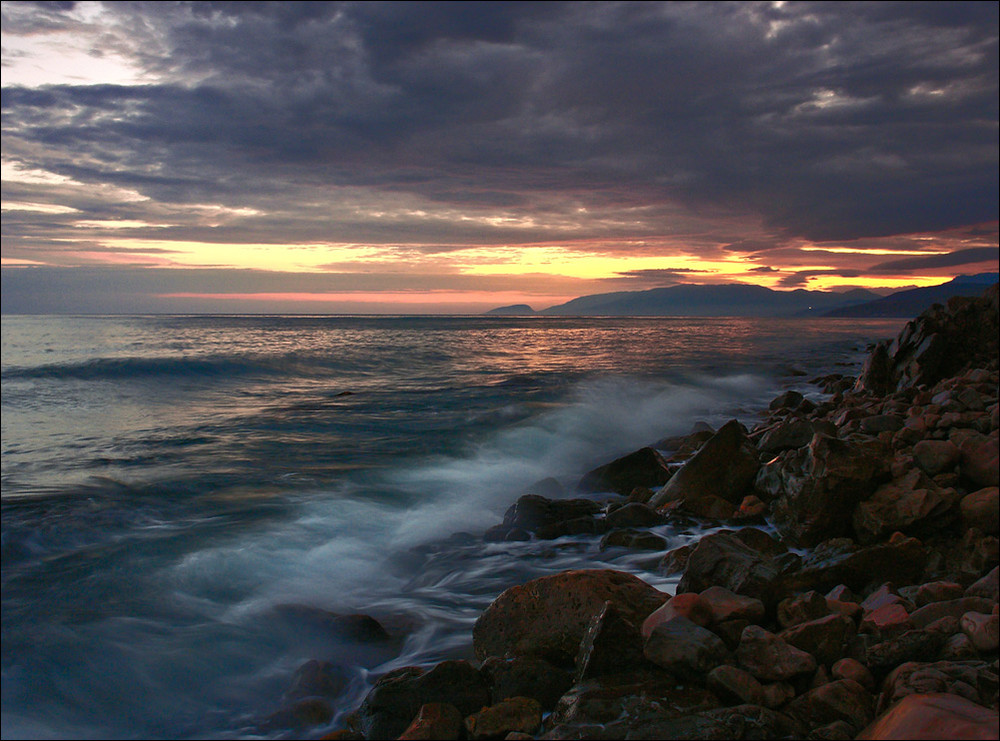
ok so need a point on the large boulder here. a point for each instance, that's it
(974, 680)
(722, 559)
(548, 617)
(724, 468)
(684, 648)
(934, 716)
(938, 344)
(816, 489)
(841, 561)
(644, 467)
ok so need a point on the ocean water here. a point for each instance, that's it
(172, 484)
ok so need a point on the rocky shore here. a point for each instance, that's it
(848, 590)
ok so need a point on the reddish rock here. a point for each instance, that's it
(981, 509)
(547, 617)
(734, 685)
(847, 609)
(526, 676)
(676, 560)
(934, 716)
(886, 621)
(644, 467)
(883, 596)
(435, 720)
(724, 467)
(982, 629)
(769, 658)
(841, 561)
(513, 715)
(958, 647)
(722, 559)
(726, 605)
(686, 604)
(750, 508)
(937, 591)
(973, 680)
(911, 645)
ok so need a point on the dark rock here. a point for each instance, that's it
(575, 526)
(684, 648)
(532, 512)
(913, 504)
(787, 400)
(814, 490)
(849, 668)
(309, 711)
(841, 561)
(981, 509)
(973, 680)
(547, 617)
(823, 638)
(926, 615)
(751, 721)
(611, 644)
(802, 608)
(526, 676)
(644, 467)
(792, 434)
(683, 604)
(988, 587)
(724, 467)
(676, 560)
(982, 629)
(397, 697)
(980, 464)
(634, 514)
(913, 645)
(353, 627)
(726, 605)
(734, 685)
(317, 679)
(936, 456)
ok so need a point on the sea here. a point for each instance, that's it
(177, 489)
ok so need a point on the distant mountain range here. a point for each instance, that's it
(737, 299)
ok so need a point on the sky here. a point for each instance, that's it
(454, 157)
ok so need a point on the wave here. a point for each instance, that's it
(209, 366)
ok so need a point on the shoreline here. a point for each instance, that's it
(874, 608)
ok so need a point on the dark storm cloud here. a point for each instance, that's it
(828, 120)
(952, 259)
(801, 277)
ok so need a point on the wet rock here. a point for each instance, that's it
(823, 638)
(936, 456)
(722, 559)
(309, 711)
(769, 658)
(982, 629)
(526, 676)
(397, 697)
(884, 596)
(532, 512)
(726, 605)
(886, 621)
(753, 722)
(839, 730)
(936, 591)
(974, 680)
(353, 627)
(841, 561)
(636, 540)
(644, 467)
(958, 647)
(676, 560)
(684, 604)
(634, 514)
(547, 617)
(842, 700)
(934, 716)
(792, 434)
(814, 490)
(684, 648)
(724, 467)
(513, 715)
(435, 720)
(802, 608)
(913, 504)
(576, 526)
(610, 644)
(789, 399)
(981, 509)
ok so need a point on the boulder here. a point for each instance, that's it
(841, 700)
(980, 464)
(793, 433)
(391, 705)
(802, 608)
(317, 679)
(823, 638)
(724, 467)
(849, 668)
(547, 617)
(913, 504)
(926, 615)
(722, 559)
(841, 561)
(814, 490)
(936, 456)
(910, 645)
(635, 540)
(934, 716)
(974, 680)
(684, 604)
(610, 644)
(532, 512)
(634, 514)
(734, 685)
(726, 605)
(644, 467)
(769, 658)
(684, 648)
(982, 629)
(986, 588)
